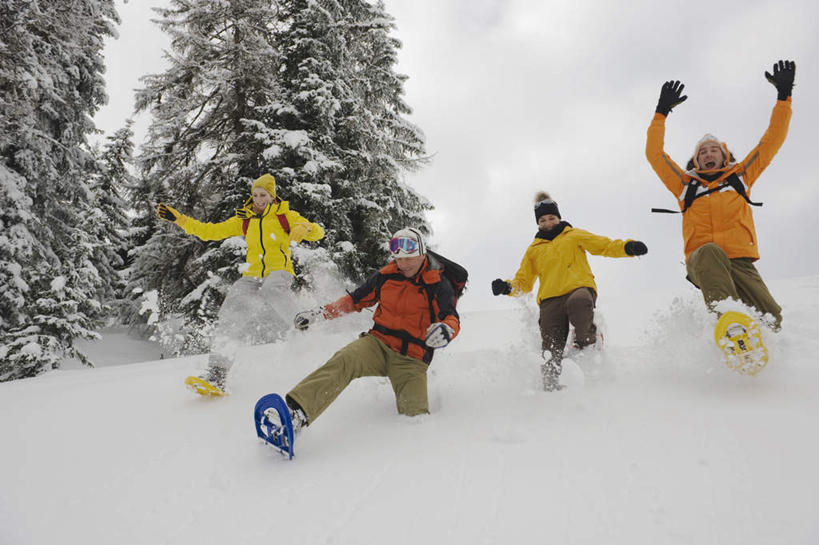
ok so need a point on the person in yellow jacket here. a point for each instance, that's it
(713, 194)
(263, 294)
(567, 292)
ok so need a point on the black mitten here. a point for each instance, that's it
(635, 247)
(501, 287)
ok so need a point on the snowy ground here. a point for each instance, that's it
(673, 448)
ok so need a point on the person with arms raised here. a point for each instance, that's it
(714, 196)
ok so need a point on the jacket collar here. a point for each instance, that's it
(550, 235)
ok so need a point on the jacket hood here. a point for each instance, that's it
(728, 157)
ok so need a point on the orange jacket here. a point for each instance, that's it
(723, 217)
(406, 307)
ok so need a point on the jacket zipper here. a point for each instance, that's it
(261, 241)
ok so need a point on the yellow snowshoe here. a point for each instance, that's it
(211, 384)
(740, 339)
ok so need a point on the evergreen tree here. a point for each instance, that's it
(303, 89)
(109, 220)
(50, 86)
(201, 155)
(338, 133)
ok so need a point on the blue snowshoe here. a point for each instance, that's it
(273, 423)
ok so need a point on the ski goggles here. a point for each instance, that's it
(406, 245)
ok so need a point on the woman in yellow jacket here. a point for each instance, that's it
(567, 292)
(264, 291)
(713, 194)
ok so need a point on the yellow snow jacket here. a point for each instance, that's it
(561, 265)
(268, 244)
(723, 217)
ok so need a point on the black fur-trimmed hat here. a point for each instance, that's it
(545, 205)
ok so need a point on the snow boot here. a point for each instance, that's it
(550, 373)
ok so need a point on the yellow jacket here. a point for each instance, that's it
(268, 245)
(722, 217)
(561, 265)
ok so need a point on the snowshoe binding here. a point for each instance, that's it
(274, 424)
(740, 339)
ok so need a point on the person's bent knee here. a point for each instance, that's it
(708, 252)
(580, 299)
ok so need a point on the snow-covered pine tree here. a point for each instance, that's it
(305, 90)
(336, 135)
(50, 86)
(109, 219)
(201, 156)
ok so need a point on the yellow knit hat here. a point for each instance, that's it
(266, 182)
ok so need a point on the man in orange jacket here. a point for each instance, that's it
(415, 315)
(713, 194)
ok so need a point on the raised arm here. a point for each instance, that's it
(205, 231)
(669, 172)
(760, 157)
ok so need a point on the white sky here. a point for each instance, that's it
(524, 95)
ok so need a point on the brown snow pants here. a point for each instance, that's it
(556, 313)
(720, 277)
(365, 357)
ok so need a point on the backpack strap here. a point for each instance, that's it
(691, 194)
(284, 223)
(406, 339)
(282, 220)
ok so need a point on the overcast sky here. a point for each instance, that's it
(520, 96)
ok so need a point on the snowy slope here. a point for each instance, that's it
(672, 449)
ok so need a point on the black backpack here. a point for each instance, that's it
(455, 273)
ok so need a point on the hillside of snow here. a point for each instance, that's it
(667, 447)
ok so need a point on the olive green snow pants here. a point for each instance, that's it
(365, 357)
(720, 277)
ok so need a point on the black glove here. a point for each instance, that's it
(635, 247)
(501, 287)
(164, 212)
(670, 97)
(782, 78)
